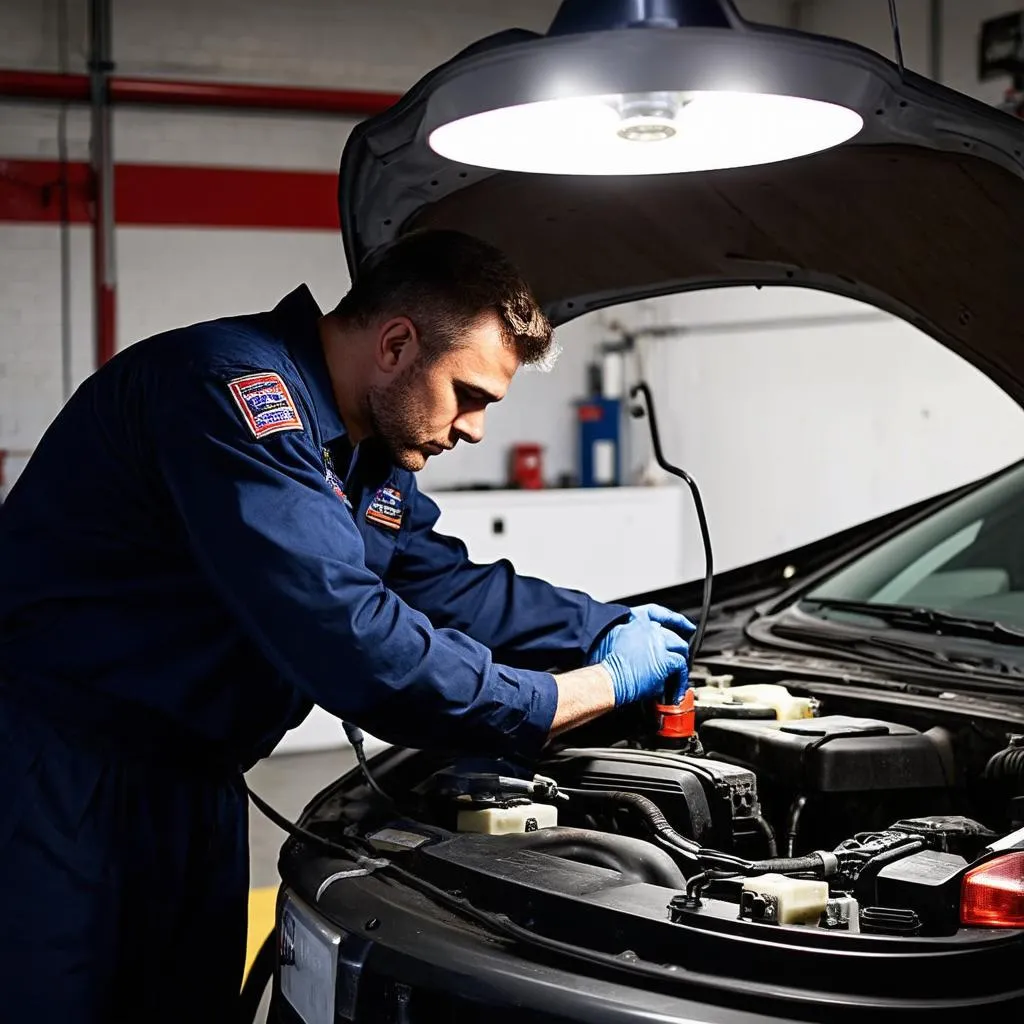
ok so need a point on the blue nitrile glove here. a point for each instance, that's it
(643, 655)
(676, 686)
(654, 612)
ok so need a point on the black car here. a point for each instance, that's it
(844, 831)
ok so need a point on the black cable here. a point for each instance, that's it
(793, 823)
(297, 831)
(355, 737)
(897, 42)
(701, 881)
(705, 533)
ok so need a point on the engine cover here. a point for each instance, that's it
(833, 754)
(712, 802)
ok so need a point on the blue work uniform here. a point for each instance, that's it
(193, 557)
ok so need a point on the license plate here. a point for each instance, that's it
(308, 963)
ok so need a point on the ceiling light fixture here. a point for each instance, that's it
(687, 101)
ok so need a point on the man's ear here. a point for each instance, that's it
(398, 344)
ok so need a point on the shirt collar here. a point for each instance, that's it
(296, 316)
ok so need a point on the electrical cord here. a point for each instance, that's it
(705, 532)
(894, 20)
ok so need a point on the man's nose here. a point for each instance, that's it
(470, 426)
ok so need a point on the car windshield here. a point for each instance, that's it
(966, 560)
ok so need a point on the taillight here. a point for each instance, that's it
(992, 895)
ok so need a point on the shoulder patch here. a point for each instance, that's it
(266, 403)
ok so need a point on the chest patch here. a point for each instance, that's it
(386, 508)
(265, 403)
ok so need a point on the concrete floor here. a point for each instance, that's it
(287, 782)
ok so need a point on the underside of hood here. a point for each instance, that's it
(920, 215)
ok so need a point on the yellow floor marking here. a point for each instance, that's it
(262, 904)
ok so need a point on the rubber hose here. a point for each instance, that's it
(657, 820)
(1006, 766)
(636, 859)
(769, 835)
(647, 808)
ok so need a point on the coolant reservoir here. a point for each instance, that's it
(787, 707)
(778, 899)
(501, 821)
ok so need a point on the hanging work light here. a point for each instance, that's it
(641, 87)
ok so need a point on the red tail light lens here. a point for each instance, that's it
(992, 895)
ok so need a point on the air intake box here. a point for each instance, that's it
(833, 754)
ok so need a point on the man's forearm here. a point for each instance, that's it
(583, 694)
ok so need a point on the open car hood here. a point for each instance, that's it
(921, 214)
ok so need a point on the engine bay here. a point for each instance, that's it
(782, 811)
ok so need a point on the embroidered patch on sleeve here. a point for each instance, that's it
(265, 403)
(386, 508)
(333, 480)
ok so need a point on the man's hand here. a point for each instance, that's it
(656, 613)
(642, 655)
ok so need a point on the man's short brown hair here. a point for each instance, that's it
(444, 281)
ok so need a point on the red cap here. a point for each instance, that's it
(677, 721)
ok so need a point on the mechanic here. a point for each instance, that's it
(220, 529)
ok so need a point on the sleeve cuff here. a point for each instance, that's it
(599, 619)
(531, 735)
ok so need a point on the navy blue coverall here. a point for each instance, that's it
(192, 558)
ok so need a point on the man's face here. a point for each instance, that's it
(428, 408)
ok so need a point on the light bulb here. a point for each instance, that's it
(648, 116)
(646, 133)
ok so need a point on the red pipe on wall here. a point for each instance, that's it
(45, 85)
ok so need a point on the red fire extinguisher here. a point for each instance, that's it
(527, 469)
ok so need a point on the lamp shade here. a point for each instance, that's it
(591, 119)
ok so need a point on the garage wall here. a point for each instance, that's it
(868, 23)
(760, 415)
(170, 276)
(795, 433)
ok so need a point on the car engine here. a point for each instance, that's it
(777, 812)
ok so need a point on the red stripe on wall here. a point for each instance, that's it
(30, 191)
(150, 195)
(46, 85)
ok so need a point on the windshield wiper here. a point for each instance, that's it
(923, 620)
(857, 646)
